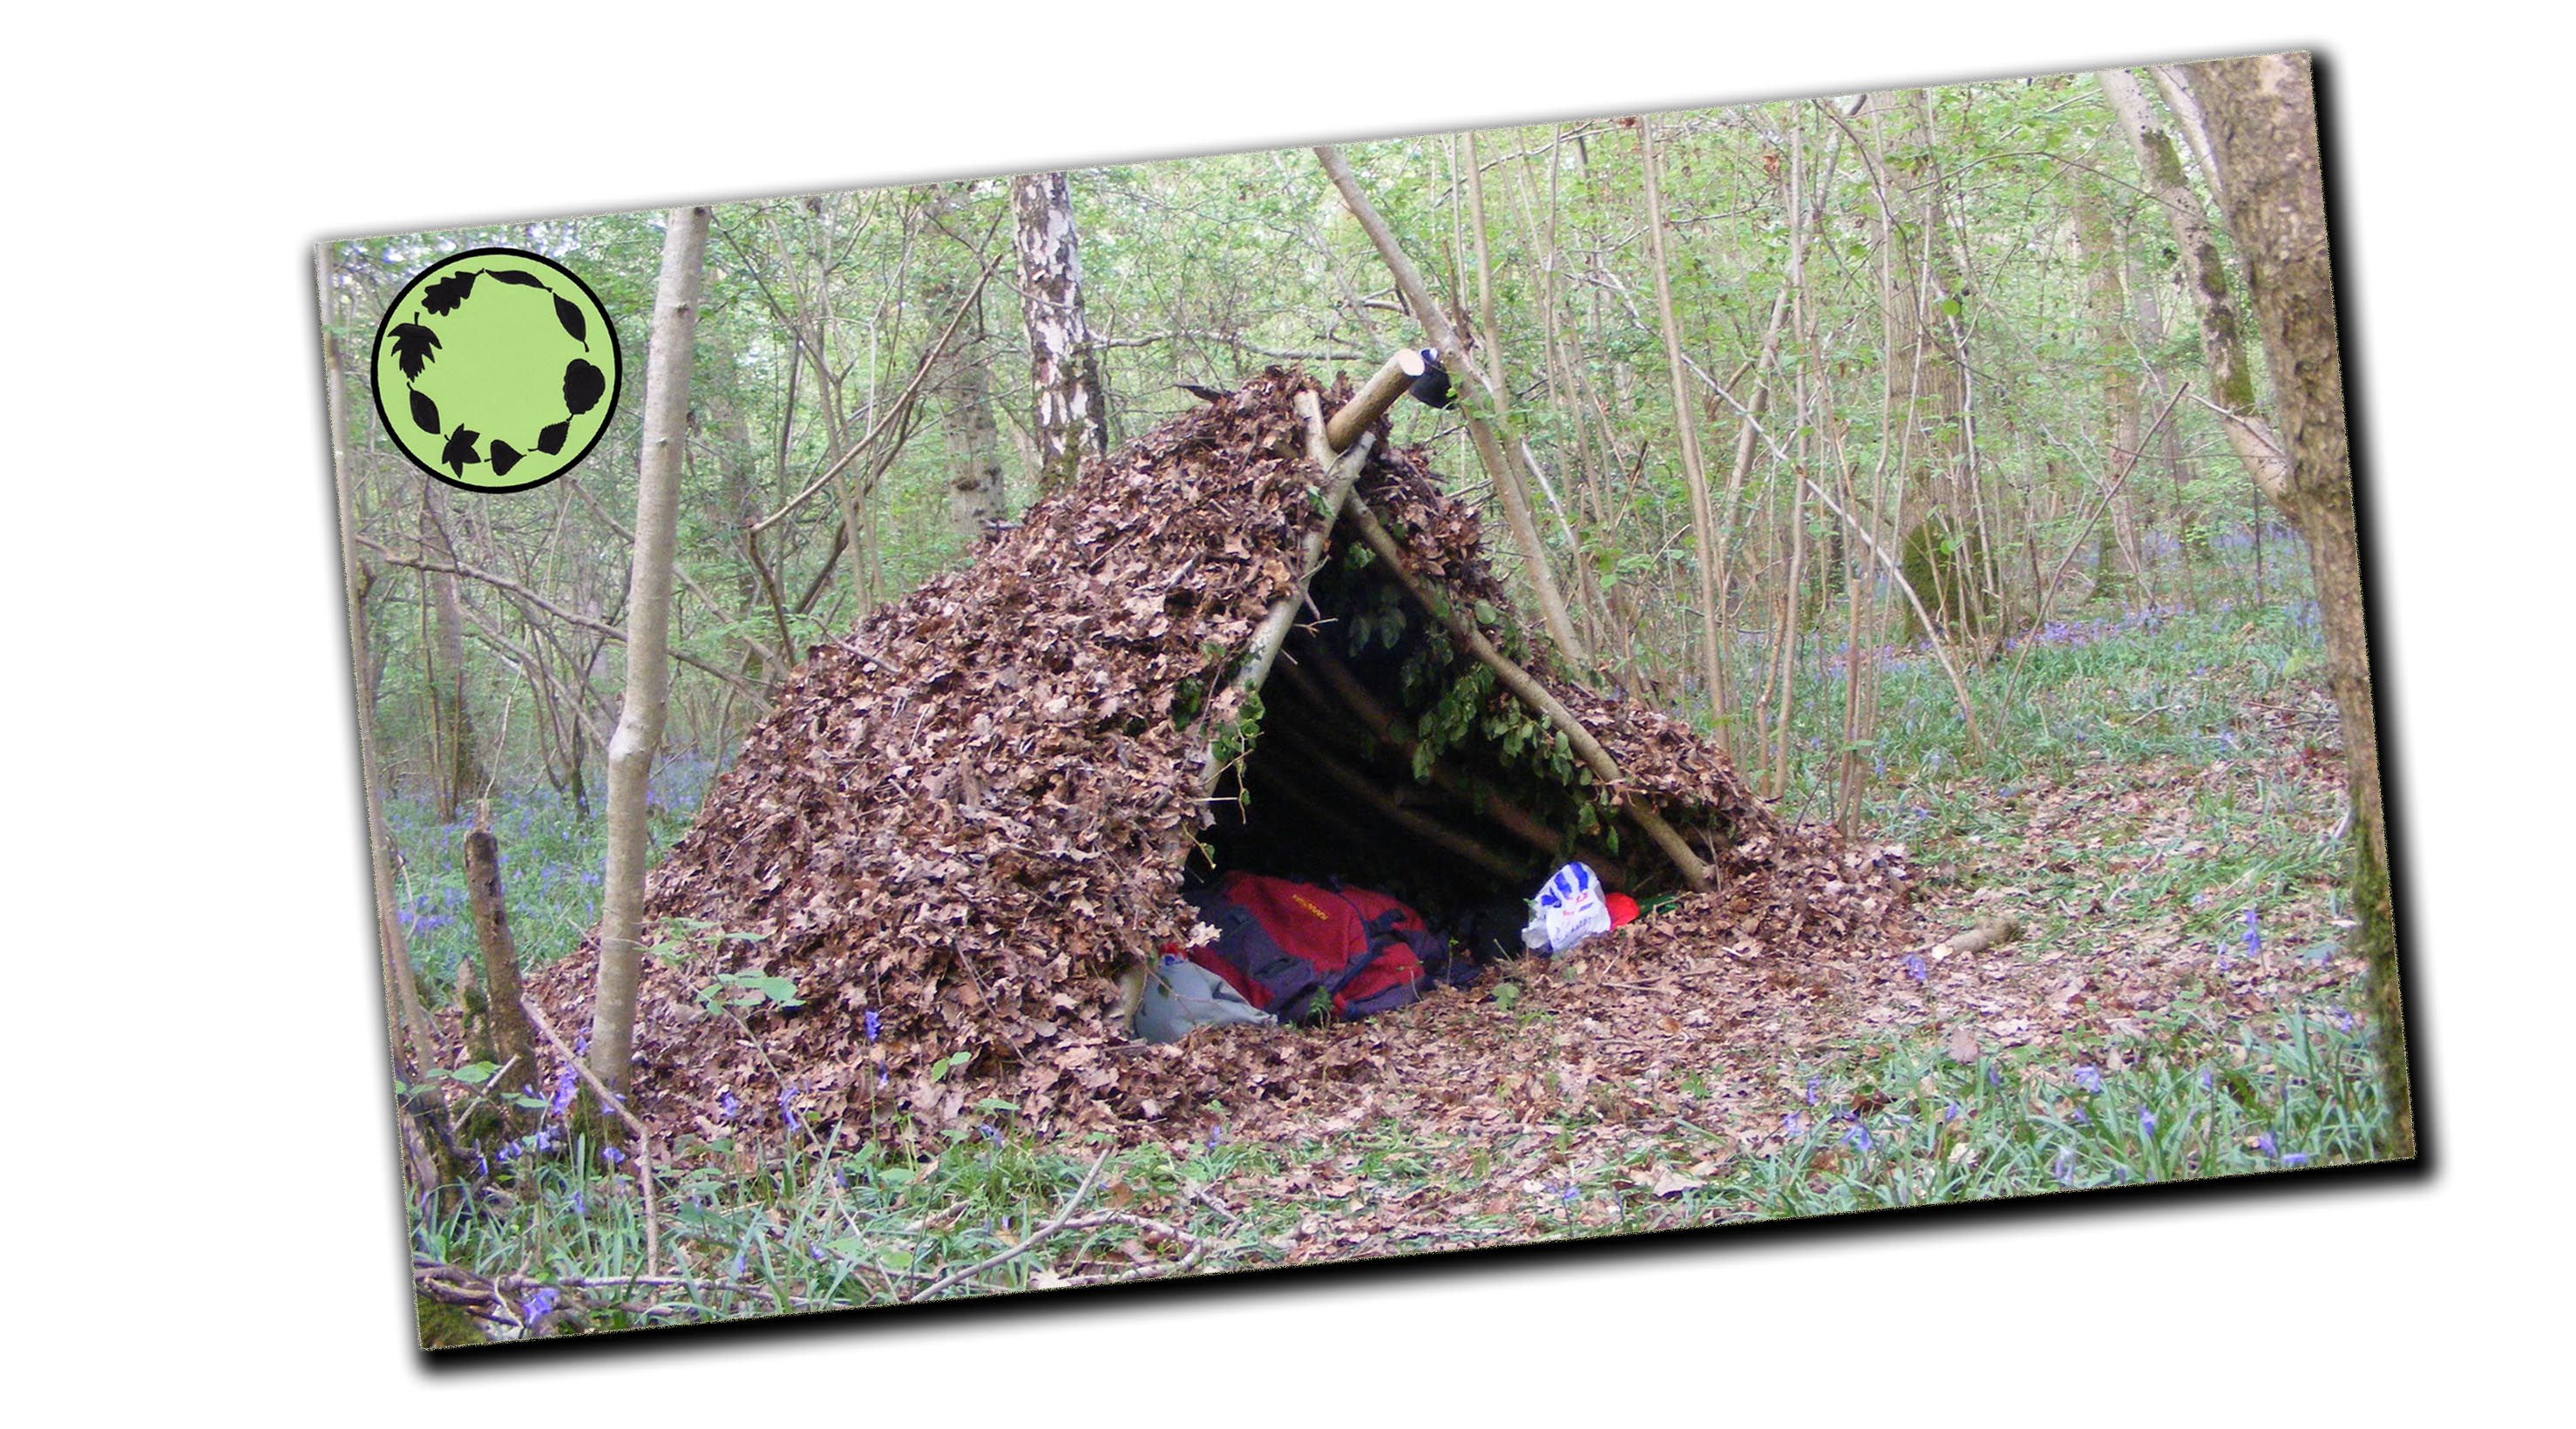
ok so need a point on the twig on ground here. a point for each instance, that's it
(643, 1137)
(1071, 1204)
(1204, 1197)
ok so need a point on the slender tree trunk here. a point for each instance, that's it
(1712, 670)
(2113, 565)
(2222, 338)
(2184, 518)
(1070, 427)
(411, 1039)
(460, 769)
(1489, 447)
(2263, 133)
(976, 492)
(648, 625)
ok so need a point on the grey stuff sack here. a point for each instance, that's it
(1181, 997)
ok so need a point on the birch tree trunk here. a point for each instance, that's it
(1070, 425)
(2263, 134)
(648, 633)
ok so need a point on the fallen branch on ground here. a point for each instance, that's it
(1993, 933)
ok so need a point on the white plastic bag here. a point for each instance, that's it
(1571, 907)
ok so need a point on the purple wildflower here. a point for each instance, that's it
(542, 1303)
(2253, 934)
(1793, 1125)
(2295, 1158)
(2079, 1118)
(1811, 1091)
(2063, 1168)
(2265, 1144)
(2089, 1078)
(611, 1155)
(2146, 1122)
(1858, 1135)
(1953, 1112)
(726, 1103)
(1569, 1194)
(1915, 968)
(985, 1130)
(562, 1098)
(871, 1019)
(787, 1106)
(2204, 1079)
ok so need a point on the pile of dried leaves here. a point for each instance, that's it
(961, 822)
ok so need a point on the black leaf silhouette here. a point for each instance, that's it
(447, 292)
(570, 317)
(522, 280)
(460, 449)
(425, 412)
(583, 386)
(504, 457)
(414, 348)
(551, 440)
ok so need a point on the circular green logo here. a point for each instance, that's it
(496, 370)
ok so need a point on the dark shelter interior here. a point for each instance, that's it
(1384, 757)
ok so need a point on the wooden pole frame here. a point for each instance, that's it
(1694, 871)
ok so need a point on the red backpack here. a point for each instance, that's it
(1290, 948)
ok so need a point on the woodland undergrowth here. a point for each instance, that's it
(2158, 780)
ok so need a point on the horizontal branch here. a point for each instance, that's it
(1226, 340)
(505, 584)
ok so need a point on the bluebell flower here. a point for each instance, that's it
(1569, 1194)
(1994, 1075)
(2089, 1078)
(2063, 1168)
(726, 1104)
(562, 1098)
(2146, 1122)
(1793, 1125)
(1858, 1135)
(542, 1303)
(985, 1130)
(787, 1106)
(1811, 1090)
(2295, 1158)
(580, 1204)
(1915, 968)
(2079, 1118)
(2253, 935)
(871, 1020)
(2265, 1144)
(1953, 1112)
(1215, 1134)
(2204, 1079)
(611, 1155)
